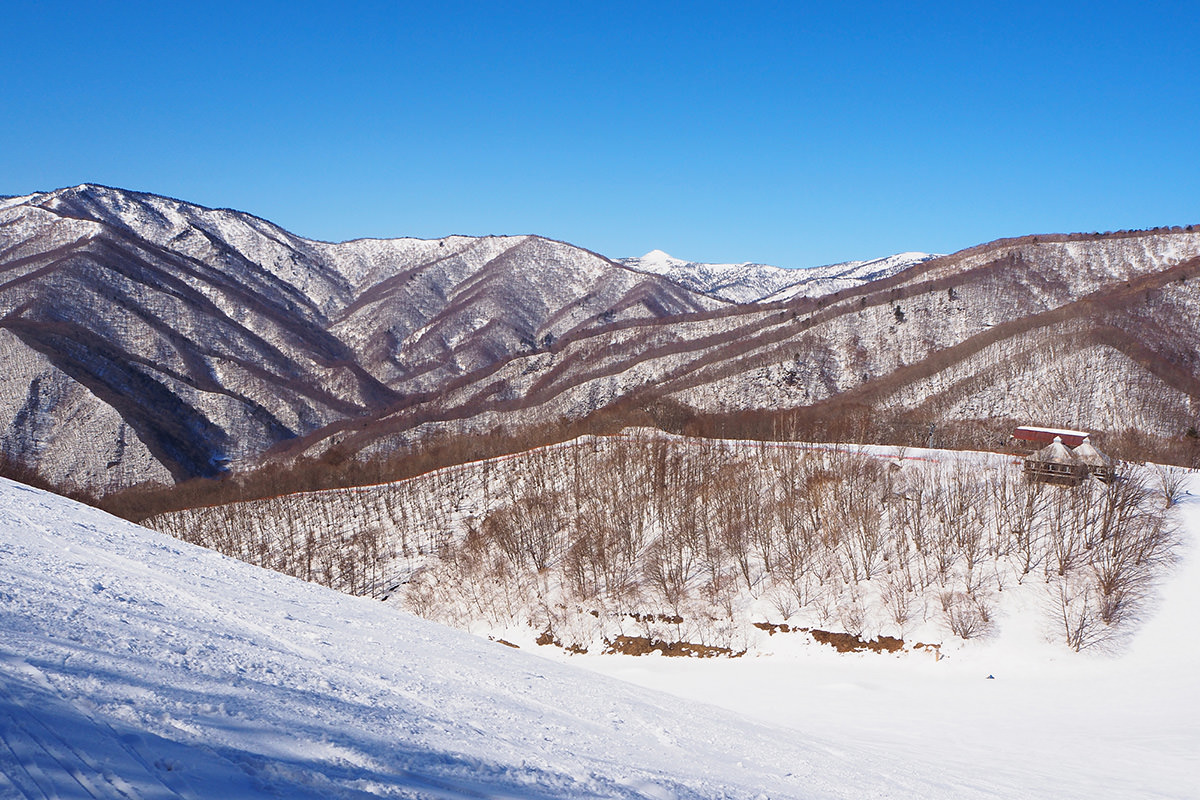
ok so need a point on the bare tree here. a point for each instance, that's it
(1171, 482)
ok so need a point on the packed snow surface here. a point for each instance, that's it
(135, 665)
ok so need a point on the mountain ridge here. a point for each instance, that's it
(182, 341)
(750, 282)
(169, 287)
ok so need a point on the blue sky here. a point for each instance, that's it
(788, 133)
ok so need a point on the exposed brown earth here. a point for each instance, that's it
(641, 645)
(849, 643)
(842, 642)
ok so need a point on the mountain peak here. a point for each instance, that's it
(658, 255)
(657, 260)
(82, 189)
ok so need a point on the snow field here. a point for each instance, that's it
(136, 665)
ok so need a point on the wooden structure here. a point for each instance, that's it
(1055, 463)
(1058, 463)
(1097, 463)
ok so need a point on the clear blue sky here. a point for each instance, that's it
(788, 133)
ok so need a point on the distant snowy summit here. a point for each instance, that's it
(762, 283)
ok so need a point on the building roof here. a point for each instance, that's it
(1031, 433)
(1088, 454)
(1055, 453)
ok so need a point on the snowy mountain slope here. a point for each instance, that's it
(188, 358)
(698, 541)
(1130, 295)
(256, 253)
(180, 341)
(441, 319)
(761, 283)
(190, 338)
(133, 665)
(819, 281)
(131, 659)
(738, 283)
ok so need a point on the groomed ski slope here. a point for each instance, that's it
(134, 665)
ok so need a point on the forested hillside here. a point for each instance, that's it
(644, 540)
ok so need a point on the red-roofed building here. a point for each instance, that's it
(1044, 436)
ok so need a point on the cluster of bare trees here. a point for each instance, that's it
(358, 541)
(695, 539)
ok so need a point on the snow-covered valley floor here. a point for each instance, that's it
(135, 665)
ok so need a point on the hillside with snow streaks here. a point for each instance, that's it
(762, 283)
(150, 339)
(182, 340)
(134, 665)
(819, 281)
(937, 354)
(609, 544)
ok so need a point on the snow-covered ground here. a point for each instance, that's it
(135, 665)
(1016, 716)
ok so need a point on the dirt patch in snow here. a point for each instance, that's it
(547, 637)
(643, 645)
(849, 643)
(842, 642)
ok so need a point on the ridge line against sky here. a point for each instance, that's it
(788, 134)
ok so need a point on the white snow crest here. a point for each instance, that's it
(748, 282)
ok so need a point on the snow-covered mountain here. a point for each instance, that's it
(1092, 331)
(819, 281)
(758, 283)
(150, 339)
(178, 339)
(134, 665)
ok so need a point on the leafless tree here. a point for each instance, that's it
(1171, 482)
